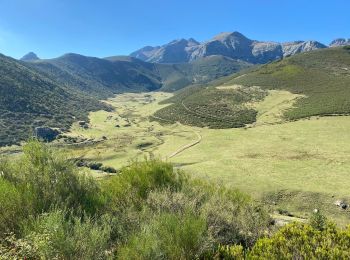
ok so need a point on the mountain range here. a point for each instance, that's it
(322, 77)
(56, 92)
(230, 44)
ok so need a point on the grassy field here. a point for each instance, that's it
(129, 132)
(294, 167)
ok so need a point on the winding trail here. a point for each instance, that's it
(187, 146)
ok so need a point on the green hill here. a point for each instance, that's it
(322, 77)
(102, 77)
(58, 91)
(177, 76)
(29, 99)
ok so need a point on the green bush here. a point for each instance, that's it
(302, 241)
(13, 207)
(51, 180)
(134, 183)
(53, 236)
(233, 219)
(169, 236)
(234, 252)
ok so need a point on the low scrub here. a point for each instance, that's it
(51, 210)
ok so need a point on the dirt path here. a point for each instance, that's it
(187, 146)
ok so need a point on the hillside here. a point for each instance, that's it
(100, 77)
(177, 76)
(29, 99)
(103, 77)
(321, 78)
(230, 44)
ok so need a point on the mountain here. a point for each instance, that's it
(103, 77)
(100, 77)
(57, 92)
(177, 51)
(177, 76)
(339, 42)
(29, 99)
(230, 44)
(292, 48)
(31, 56)
(321, 76)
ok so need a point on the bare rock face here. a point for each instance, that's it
(174, 52)
(230, 44)
(292, 48)
(340, 42)
(46, 134)
(267, 51)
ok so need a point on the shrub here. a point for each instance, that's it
(50, 179)
(13, 208)
(134, 183)
(54, 236)
(108, 169)
(233, 219)
(302, 241)
(169, 236)
(234, 252)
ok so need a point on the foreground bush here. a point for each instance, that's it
(168, 236)
(50, 210)
(53, 236)
(49, 179)
(12, 207)
(302, 241)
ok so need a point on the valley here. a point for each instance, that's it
(292, 167)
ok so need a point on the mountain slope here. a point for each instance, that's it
(177, 76)
(29, 99)
(177, 51)
(231, 44)
(103, 77)
(320, 79)
(339, 42)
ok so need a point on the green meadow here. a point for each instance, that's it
(293, 167)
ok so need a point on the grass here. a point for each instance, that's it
(294, 166)
(126, 143)
(322, 76)
(213, 107)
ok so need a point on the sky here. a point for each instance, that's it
(104, 28)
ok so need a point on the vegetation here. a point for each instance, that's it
(67, 214)
(212, 107)
(292, 167)
(148, 211)
(178, 76)
(59, 91)
(322, 76)
(29, 99)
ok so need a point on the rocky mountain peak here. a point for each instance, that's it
(31, 56)
(339, 42)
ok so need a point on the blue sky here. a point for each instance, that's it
(105, 27)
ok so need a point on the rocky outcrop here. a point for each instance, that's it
(340, 42)
(174, 52)
(230, 44)
(46, 134)
(292, 48)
